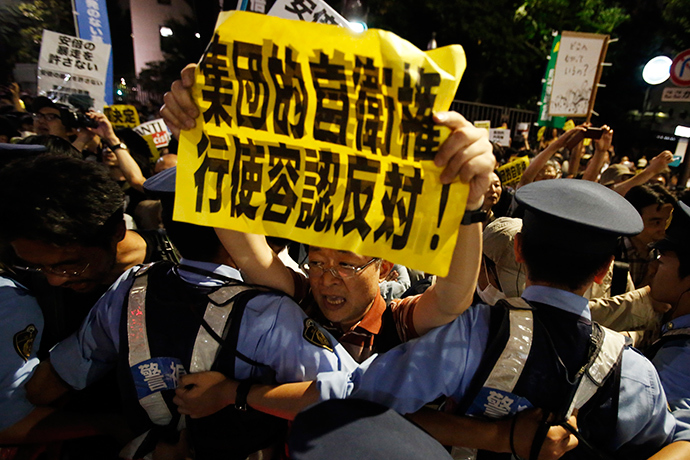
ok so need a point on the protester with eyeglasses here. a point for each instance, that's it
(51, 118)
(671, 284)
(342, 292)
(64, 224)
(342, 289)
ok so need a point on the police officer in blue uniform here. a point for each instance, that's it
(160, 321)
(671, 284)
(20, 334)
(543, 350)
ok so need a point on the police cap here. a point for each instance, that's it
(345, 429)
(565, 211)
(11, 152)
(162, 185)
(21, 149)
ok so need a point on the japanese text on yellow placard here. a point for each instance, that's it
(316, 134)
(511, 173)
(122, 116)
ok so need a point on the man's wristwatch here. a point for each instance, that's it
(241, 394)
(473, 217)
(121, 145)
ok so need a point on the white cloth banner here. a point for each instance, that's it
(69, 65)
(158, 131)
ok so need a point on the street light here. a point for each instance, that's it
(657, 70)
(165, 31)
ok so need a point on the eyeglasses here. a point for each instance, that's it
(340, 271)
(54, 271)
(46, 116)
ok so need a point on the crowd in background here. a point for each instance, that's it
(109, 217)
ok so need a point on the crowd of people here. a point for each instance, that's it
(562, 328)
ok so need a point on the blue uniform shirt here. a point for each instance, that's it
(672, 361)
(443, 362)
(20, 330)
(270, 333)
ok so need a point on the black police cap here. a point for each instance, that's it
(561, 211)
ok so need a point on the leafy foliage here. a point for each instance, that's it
(21, 28)
(506, 41)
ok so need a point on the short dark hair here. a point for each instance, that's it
(54, 145)
(572, 269)
(194, 242)
(642, 196)
(684, 263)
(7, 128)
(60, 200)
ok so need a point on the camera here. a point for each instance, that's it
(82, 103)
(594, 133)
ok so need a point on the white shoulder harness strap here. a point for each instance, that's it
(205, 346)
(596, 373)
(508, 368)
(510, 364)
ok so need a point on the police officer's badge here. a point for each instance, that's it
(315, 336)
(24, 341)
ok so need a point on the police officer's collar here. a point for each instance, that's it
(558, 298)
(206, 273)
(677, 323)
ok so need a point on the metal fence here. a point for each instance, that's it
(498, 115)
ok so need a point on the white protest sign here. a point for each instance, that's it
(307, 10)
(501, 136)
(522, 128)
(158, 131)
(576, 74)
(69, 65)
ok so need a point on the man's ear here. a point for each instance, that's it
(120, 232)
(385, 269)
(601, 274)
(517, 248)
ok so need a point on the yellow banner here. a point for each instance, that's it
(511, 173)
(122, 116)
(317, 134)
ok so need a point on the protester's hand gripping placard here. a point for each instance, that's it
(317, 134)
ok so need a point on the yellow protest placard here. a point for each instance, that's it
(317, 134)
(122, 116)
(511, 173)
